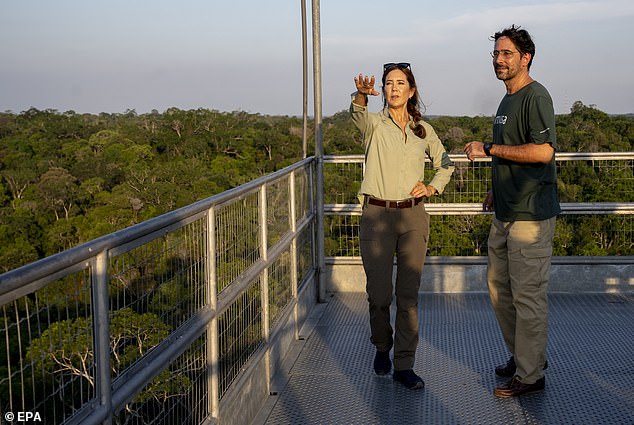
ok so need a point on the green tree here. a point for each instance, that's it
(19, 171)
(57, 189)
(64, 353)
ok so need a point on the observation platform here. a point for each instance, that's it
(327, 375)
(226, 292)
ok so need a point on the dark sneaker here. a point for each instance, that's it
(515, 387)
(408, 378)
(508, 370)
(382, 362)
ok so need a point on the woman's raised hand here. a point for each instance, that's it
(365, 85)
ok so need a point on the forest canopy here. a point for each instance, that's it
(67, 178)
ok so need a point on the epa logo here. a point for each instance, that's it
(22, 417)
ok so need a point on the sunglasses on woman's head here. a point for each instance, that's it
(400, 65)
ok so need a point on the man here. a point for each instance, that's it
(525, 200)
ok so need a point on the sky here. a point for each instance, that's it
(246, 55)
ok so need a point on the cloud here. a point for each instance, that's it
(530, 15)
(434, 31)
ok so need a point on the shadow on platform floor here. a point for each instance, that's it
(327, 378)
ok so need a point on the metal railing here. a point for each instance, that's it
(154, 323)
(596, 191)
(158, 323)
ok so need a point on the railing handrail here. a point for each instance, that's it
(48, 267)
(475, 208)
(459, 157)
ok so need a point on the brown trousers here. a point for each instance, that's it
(517, 276)
(384, 232)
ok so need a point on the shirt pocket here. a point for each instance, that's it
(415, 152)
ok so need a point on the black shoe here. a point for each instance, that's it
(515, 387)
(382, 362)
(508, 370)
(408, 378)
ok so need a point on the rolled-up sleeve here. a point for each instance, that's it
(440, 160)
(360, 118)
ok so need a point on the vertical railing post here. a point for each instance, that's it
(264, 285)
(304, 82)
(294, 257)
(319, 151)
(312, 192)
(213, 352)
(101, 333)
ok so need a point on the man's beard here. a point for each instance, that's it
(503, 73)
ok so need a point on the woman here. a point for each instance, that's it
(394, 220)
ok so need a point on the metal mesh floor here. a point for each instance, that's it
(328, 378)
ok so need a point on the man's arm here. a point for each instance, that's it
(528, 153)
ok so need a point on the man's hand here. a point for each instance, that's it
(474, 150)
(487, 205)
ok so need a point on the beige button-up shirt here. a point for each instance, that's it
(393, 162)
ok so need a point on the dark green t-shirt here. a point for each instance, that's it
(525, 191)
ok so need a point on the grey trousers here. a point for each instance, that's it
(384, 232)
(517, 276)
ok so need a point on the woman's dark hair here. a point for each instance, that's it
(520, 38)
(413, 104)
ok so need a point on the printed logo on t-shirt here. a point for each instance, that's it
(500, 119)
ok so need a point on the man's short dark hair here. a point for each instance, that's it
(520, 38)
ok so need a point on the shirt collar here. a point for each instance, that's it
(386, 116)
